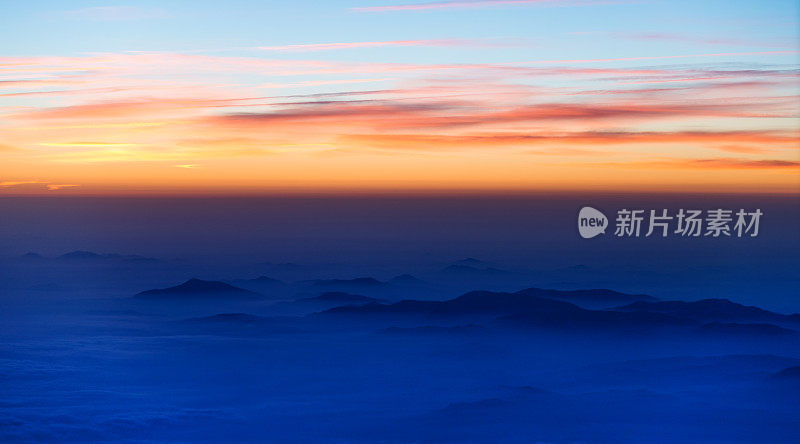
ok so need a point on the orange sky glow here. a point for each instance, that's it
(275, 118)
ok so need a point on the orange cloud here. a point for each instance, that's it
(118, 120)
(700, 138)
(55, 187)
(47, 185)
(729, 163)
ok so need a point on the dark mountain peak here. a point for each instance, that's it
(80, 254)
(286, 266)
(469, 270)
(460, 268)
(338, 296)
(789, 373)
(717, 306)
(406, 279)
(720, 310)
(266, 280)
(360, 282)
(227, 318)
(733, 328)
(434, 329)
(137, 258)
(509, 302)
(472, 303)
(471, 261)
(199, 287)
(591, 298)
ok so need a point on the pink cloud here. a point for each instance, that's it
(376, 44)
(682, 56)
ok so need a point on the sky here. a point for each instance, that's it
(250, 97)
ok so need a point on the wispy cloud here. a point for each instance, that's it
(729, 163)
(670, 37)
(15, 183)
(60, 186)
(429, 142)
(664, 57)
(380, 44)
(320, 82)
(468, 4)
(171, 111)
(47, 185)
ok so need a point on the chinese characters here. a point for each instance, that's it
(688, 223)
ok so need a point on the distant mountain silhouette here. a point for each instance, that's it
(472, 262)
(341, 297)
(518, 309)
(789, 374)
(199, 288)
(365, 285)
(239, 324)
(594, 319)
(286, 267)
(269, 287)
(324, 301)
(549, 308)
(227, 318)
(731, 328)
(470, 271)
(594, 298)
(433, 329)
(81, 255)
(476, 302)
(406, 279)
(362, 281)
(267, 281)
(713, 310)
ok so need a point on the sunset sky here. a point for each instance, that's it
(337, 96)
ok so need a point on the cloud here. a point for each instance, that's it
(744, 149)
(55, 187)
(588, 138)
(665, 57)
(158, 112)
(468, 4)
(693, 39)
(320, 82)
(147, 107)
(88, 144)
(379, 44)
(741, 163)
(13, 183)
(47, 185)
(115, 13)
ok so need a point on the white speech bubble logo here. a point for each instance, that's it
(591, 222)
